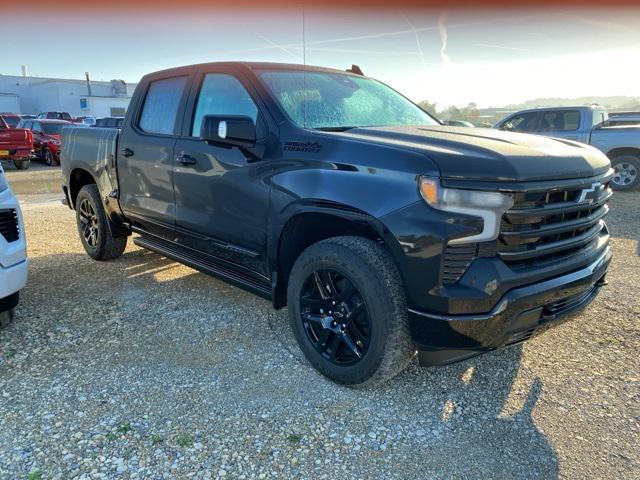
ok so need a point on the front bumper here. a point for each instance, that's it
(12, 280)
(521, 313)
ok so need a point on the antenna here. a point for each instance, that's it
(304, 71)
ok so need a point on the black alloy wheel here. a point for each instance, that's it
(89, 221)
(335, 317)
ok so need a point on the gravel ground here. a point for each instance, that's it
(143, 368)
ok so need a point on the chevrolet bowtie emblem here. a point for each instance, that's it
(591, 195)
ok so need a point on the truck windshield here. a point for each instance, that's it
(335, 101)
(53, 128)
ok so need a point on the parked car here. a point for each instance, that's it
(587, 125)
(383, 231)
(46, 138)
(55, 116)
(14, 266)
(458, 123)
(11, 119)
(109, 122)
(16, 144)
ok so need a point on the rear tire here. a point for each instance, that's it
(22, 164)
(361, 265)
(93, 226)
(627, 176)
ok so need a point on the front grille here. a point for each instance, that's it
(546, 227)
(9, 225)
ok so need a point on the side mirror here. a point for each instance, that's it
(232, 130)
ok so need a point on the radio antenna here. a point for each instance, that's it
(304, 71)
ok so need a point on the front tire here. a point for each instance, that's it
(49, 159)
(627, 172)
(347, 309)
(93, 226)
(22, 164)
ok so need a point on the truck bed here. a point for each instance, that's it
(92, 150)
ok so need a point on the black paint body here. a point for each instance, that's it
(246, 217)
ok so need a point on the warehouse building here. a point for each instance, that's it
(32, 95)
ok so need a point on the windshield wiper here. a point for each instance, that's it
(342, 128)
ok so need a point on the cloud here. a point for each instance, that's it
(444, 38)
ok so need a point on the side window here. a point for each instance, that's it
(525, 122)
(560, 121)
(222, 94)
(161, 105)
(36, 127)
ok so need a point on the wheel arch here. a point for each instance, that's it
(616, 152)
(78, 178)
(316, 223)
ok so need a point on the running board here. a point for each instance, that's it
(191, 259)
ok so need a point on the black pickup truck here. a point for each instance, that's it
(382, 230)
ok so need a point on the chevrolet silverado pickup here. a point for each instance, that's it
(590, 125)
(16, 144)
(384, 232)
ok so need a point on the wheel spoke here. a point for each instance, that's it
(321, 346)
(312, 317)
(327, 281)
(348, 341)
(356, 331)
(320, 286)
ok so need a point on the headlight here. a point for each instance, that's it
(487, 205)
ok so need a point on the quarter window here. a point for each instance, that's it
(161, 105)
(525, 122)
(222, 94)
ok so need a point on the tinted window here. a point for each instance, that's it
(36, 127)
(161, 105)
(560, 121)
(12, 121)
(525, 122)
(222, 94)
(28, 125)
(54, 128)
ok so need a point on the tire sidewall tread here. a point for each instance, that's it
(372, 271)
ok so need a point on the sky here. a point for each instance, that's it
(492, 58)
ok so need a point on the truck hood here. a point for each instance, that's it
(488, 154)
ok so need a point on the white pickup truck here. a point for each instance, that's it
(587, 125)
(13, 252)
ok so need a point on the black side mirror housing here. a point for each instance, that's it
(232, 130)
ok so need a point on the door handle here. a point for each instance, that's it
(127, 152)
(185, 159)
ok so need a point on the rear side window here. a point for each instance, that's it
(161, 105)
(560, 121)
(222, 94)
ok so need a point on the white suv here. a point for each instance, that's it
(14, 265)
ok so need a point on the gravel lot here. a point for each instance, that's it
(143, 368)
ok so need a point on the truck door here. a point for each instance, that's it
(222, 194)
(562, 124)
(145, 156)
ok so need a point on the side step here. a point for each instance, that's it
(193, 260)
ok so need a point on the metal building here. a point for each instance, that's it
(32, 95)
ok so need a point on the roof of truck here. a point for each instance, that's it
(257, 66)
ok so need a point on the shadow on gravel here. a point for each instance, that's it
(133, 321)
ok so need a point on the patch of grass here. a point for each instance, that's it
(608, 341)
(34, 475)
(295, 438)
(156, 439)
(184, 440)
(124, 428)
(9, 354)
(112, 437)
